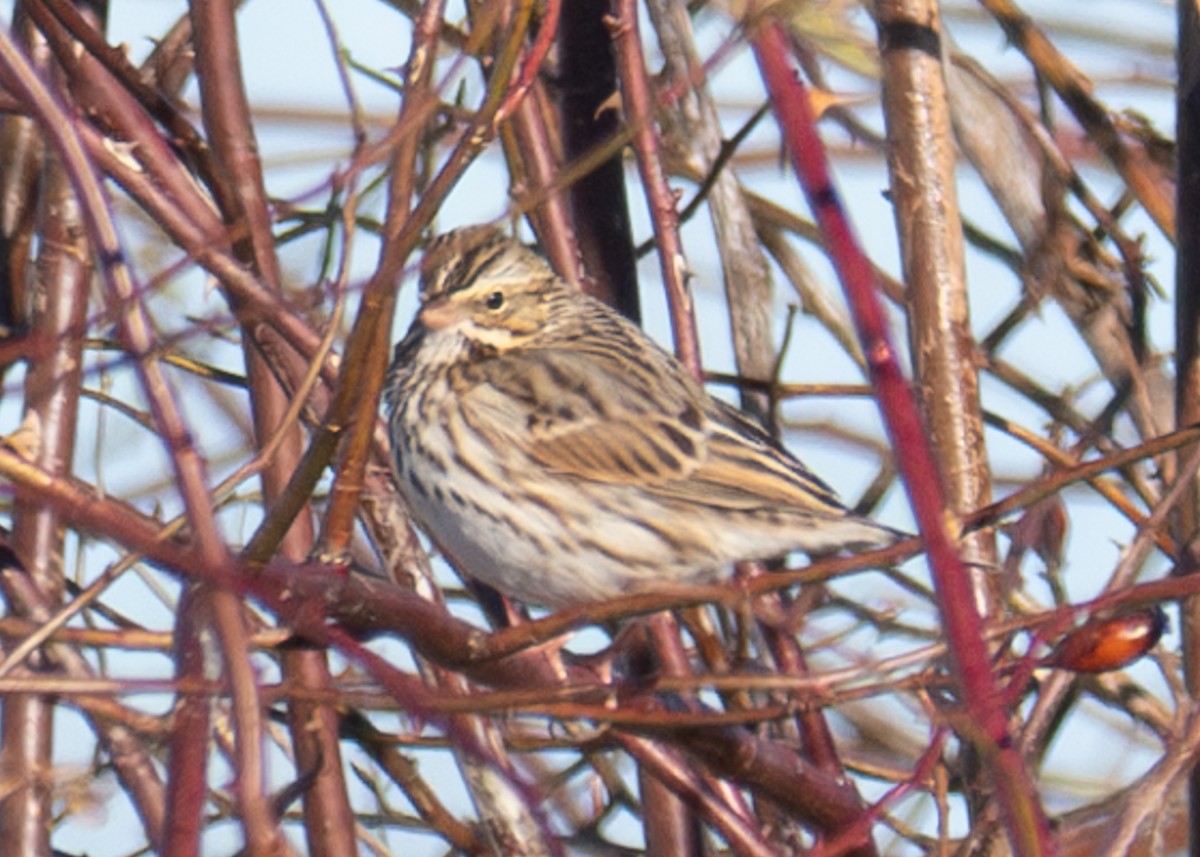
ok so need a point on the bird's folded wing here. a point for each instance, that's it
(591, 416)
(747, 469)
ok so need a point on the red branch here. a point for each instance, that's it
(960, 615)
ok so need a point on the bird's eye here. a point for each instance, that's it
(495, 300)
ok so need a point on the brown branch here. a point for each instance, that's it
(187, 760)
(922, 170)
(1074, 88)
(694, 132)
(639, 114)
(226, 110)
(134, 323)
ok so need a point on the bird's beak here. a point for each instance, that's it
(440, 313)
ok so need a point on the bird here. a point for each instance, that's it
(551, 449)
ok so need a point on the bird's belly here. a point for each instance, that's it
(560, 545)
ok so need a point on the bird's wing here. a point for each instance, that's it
(593, 414)
(747, 470)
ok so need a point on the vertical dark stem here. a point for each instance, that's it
(1187, 341)
(587, 79)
